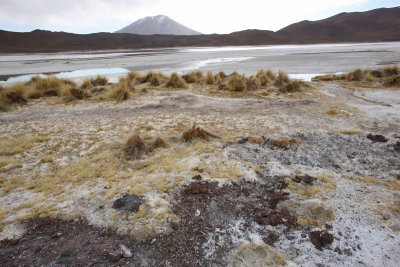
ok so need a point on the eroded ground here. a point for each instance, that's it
(294, 180)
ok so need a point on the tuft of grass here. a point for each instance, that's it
(209, 78)
(218, 80)
(175, 82)
(236, 83)
(14, 94)
(221, 75)
(285, 143)
(154, 81)
(196, 133)
(87, 84)
(120, 91)
(270, 75)
(356, 75)
(99, 81)
(291, 86)
(391, 71)
(393, 81)
(135, 148)
(369, 77)
(282, 79)
(251, 83)
(190, 77)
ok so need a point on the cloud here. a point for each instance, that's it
(207, 16)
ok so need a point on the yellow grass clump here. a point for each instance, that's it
(99, 81)
(209, 78)
(282, 79)
(175, 82)
(236, 83)
(121, 91)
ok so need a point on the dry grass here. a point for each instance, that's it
(87, 84)
(369, 77)
(270, 75)
(236, 83)
(196, 133)
(391, 71)
(221, 75)
(135, 148)
(14, 94)
(99, 81)
(356, 75)
(190, 77)
(393, 81)
(120, 91)
(282, 79)
(285, 143)
(209, 78)
(175, 82)
(291, 86)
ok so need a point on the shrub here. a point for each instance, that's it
(175, 81)
(99, 81)
(281, 79)
(210, 78)
(236, 83)
(199, 75)
(393, 81)
(260, 73)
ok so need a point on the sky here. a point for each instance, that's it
(206, 16)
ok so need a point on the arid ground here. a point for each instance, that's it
(260, 178)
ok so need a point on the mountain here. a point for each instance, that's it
(371, 26)
(157, 25)
(375, 25)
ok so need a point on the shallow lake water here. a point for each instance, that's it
(300, 61)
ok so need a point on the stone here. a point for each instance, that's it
(128, 203)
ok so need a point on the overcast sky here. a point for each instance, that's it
(206, 16)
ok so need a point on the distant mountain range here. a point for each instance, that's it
(378, 25)
(157, 25)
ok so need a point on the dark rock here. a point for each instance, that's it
(115, 256)
(320, 239)
(276, 218)
(128, 202)
(377, 138)
(243, 140)
(305, 178)
(174, 226)
(397, 146)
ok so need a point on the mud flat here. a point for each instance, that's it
(297, 179)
